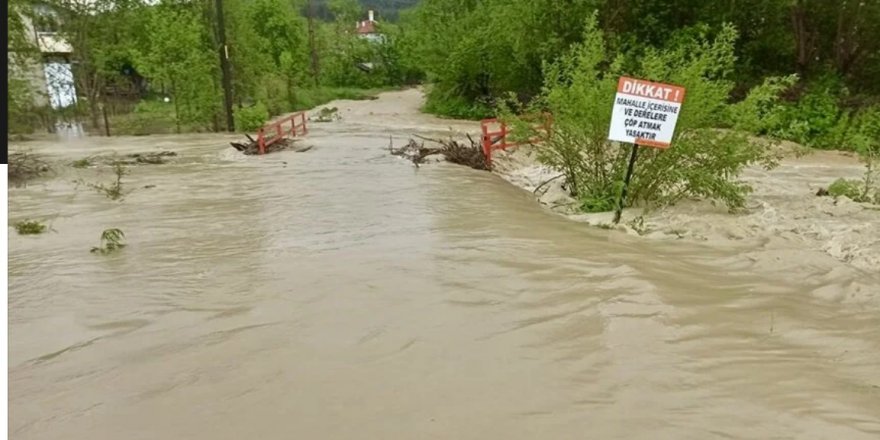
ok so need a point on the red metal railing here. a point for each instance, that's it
(497, 139)
(297, 121)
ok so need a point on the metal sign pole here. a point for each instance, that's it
(629, 172)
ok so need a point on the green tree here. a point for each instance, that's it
(703, 161)
(177, 55)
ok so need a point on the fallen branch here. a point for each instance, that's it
(24, 165)
(546, 182)
(452, 151)
(253, 147)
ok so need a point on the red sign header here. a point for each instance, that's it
(648, 89)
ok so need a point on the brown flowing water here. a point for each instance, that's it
(341, 293)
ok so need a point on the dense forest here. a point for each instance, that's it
(820, 57)
(477, 51)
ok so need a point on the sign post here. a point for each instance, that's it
(644, 113)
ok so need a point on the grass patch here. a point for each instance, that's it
(30, 227)
(151, 117)
(157, 117)
(307, 99)
(82, 163)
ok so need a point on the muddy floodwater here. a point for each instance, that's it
(342, 293)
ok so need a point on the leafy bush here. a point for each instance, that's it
(251, 118)
(453, 106)
(815, 119)
(760, 111)
(864, 137)
(846, 188)
(702, 162)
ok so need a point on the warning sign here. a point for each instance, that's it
(645, 112)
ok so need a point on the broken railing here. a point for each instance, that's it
(293, 125)
(495, 134)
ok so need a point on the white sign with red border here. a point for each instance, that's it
(645, 112)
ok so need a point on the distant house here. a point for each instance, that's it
(51, 74)
(366, 29)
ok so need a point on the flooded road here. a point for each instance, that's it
(341, 293)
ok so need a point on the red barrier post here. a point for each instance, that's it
(487, 142)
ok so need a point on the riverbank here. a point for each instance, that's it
(783, 208)
(784, 219)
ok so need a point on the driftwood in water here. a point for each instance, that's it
(157, 158)
(24, 165)
(451, 151)
(252, 147)
(413, 151)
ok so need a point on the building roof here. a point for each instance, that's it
(366, 27)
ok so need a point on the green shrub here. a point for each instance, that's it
(846, 188)
(760, 111)
(702, 162)
(454, 106)
(864, 137)
(815, 119)
(251, 118)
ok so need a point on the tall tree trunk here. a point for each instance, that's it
(802, 36)
(846, 43)
(225, 67)
(315, 65)
(176, 104)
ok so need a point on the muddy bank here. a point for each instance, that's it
(783, 208)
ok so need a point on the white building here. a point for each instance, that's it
(367, 29)
(51, 74)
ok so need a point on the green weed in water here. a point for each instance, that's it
(81, 163)
(30, 227)
(115, 190)
(111, 240)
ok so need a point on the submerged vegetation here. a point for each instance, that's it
(111, 241)
(30, 227)
(25, 165)
(114, 190)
